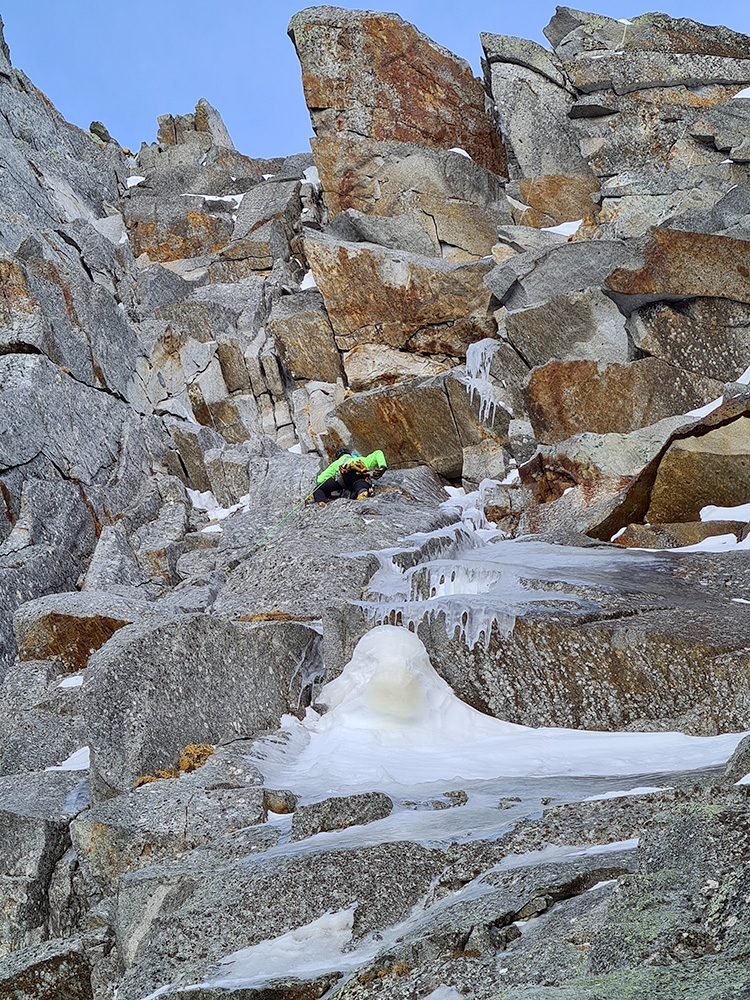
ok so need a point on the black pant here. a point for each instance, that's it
(347, 484)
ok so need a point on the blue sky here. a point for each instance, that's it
(126, 63)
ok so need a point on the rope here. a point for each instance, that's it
(259, 542)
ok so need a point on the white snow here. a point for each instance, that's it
(78, 761)
(715, 543)
(135, 180)
(216, 513)
(310, 950)
(565, 228)
(312, 176)
(640, 790)
(739, 513)
(744, 781)
(457, 149)
(703, 411)
(623, 20)
(72, 681)
(308, 281)
(742, 93)
(392, 722)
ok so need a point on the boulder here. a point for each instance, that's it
(302, 331)
(255, 899)
(534, 101)
(268, 222)
(621, 470)
(659, 51)
(161, 820)
(137, 701)
(340, 813)
(564, 398)
(670, 536)
(400, 300)
(453, 205)
(532, 278)
(581, 325)
(707, 336)
(35, 812)
(701, 469)
(427, 421)
(414, 231)
(56, 968)
(168, 229)
(729, 216)
(369, 366)
(375, 75)
(648, 670)
(684, 265)
(42, 724)
(69, 627)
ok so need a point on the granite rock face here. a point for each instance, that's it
(187, 337)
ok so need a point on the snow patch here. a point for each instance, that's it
(742, 94)
(462, 152)
(713, 513)
(312, 176)
(78, 761)
(308, 281)
(135, 180)
(565, 228)
(72, 681)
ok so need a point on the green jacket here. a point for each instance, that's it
(376, 460)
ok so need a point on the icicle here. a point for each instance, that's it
(477, 379)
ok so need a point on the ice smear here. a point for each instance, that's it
(640, 790)
(392, 722)
(306, 952)
(487, 585)
(78, 761)
(323, 945)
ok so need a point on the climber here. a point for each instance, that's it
(349, 475)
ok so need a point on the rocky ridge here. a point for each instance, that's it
(535, 286)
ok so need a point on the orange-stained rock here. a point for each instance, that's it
(428, 421)
(462, 203)
(566, 397)
(672, 536)
(687, 264)
(711, 468)
(192, 235)
(558, 197)
(400, 300)
(377, 76)
(69, 627)
(304, 338)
